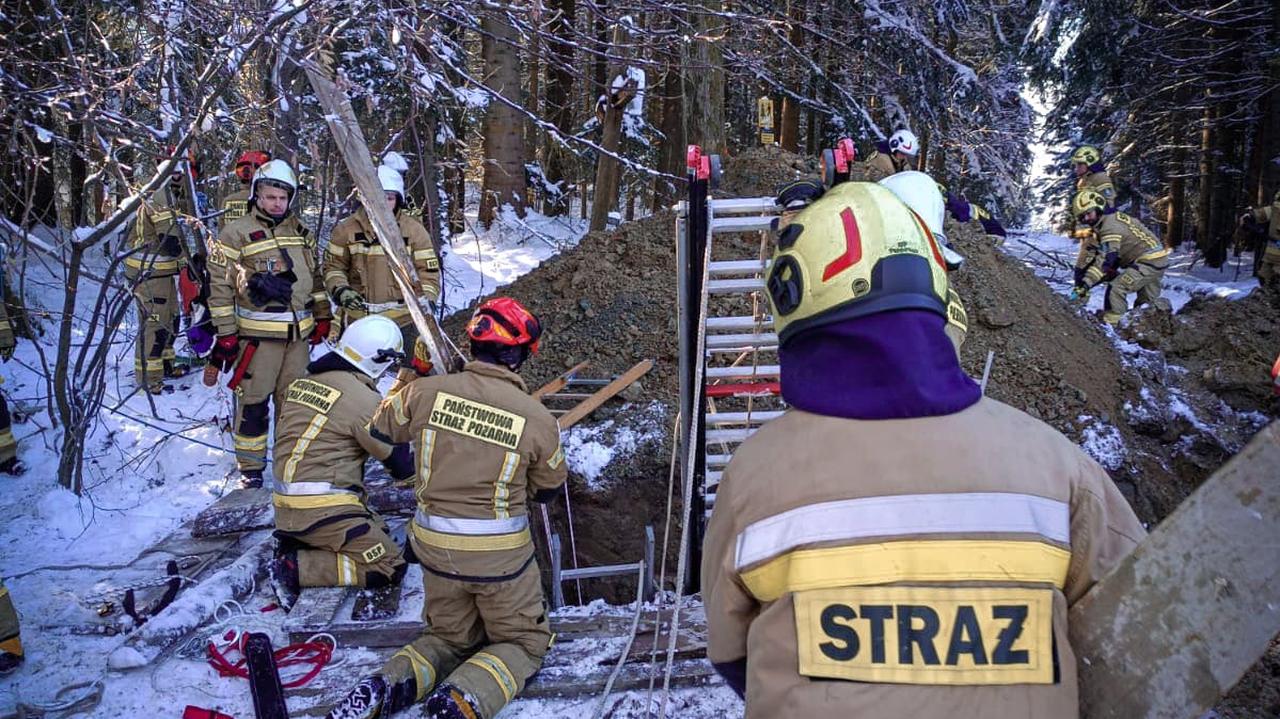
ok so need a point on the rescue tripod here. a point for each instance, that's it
(729, 383)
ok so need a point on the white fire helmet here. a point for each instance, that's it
(919, 192)
(906, 142)
(371, 344)
(276, 173)
(391, 180)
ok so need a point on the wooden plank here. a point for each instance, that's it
(560, 382)
(348, 138)
(586, 407)
(235, 511)
(1178, 623)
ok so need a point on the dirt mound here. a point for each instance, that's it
(1227, 346)
(761, 171)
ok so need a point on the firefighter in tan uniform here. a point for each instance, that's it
(152, 266)
(10, 642)
(358, 274)
(925, 565)
(1268, 267)
(893, 156)
(485, 449)
(267, 303)
(1091, 174)
(9, 462)
(236, 205)
(1129, 259)
(327, 536)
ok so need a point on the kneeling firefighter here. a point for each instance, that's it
(925, 565)
(485, 449)
(1130, 258)
(327, 536)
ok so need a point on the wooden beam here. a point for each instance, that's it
(573, 416)
(1177, 624)
(351, 144)
(560, 382)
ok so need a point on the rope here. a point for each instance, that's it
(573, 542)
(695, 424)
(314, 652)
(662, 572)
(631, 638)
(63, 701)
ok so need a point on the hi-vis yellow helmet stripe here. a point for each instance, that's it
(856, 251)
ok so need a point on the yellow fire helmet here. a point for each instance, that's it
(856, 251)
(1086, 200)
(1088, 154)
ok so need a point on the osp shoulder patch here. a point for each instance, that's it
(374, 553)
(476, 419)
(313, 394)
(927, 635)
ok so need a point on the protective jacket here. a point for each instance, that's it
(234, 206)
(484, 448)
(1099, 181)
(1124, 242)
(322, 442)
(932, 582)
(355, 259)
(1269, 215)
(156, 240)
(881, 164)
(265, 279)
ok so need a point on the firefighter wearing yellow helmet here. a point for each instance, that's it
(1130, 258)
(1086, 163)
(925, 565)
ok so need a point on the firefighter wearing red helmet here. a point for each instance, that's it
(236, 205)
(485, 449)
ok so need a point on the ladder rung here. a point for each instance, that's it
(713, 479)
(735, 267)
(742, 371)
(743, 223)
(717, 419)
(723, 287)
(764, 340)
(743, 204)
(739, 323)
(730, 436)
(718, 460)
(745, 389)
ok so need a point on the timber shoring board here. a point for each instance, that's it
(586, 407)
(560, 382)
(1179, 622)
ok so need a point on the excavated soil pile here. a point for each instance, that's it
(1227, 346)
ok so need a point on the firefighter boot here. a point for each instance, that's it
(450, 702)
(375, 698)
(283, 570)
(250, 478)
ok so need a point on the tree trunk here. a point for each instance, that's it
(1173, 230)
(559, 105)
(1204, 204)
(671, 154)
(607, 168)
(789, 126)
(704, 80)
(1269, 127)
(504, 154)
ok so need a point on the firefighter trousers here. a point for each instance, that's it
(485, 638)
(1140, 277)
(157, 325)
(9, 641)
(1269, 267)
(275, 363)
(346, 549)
(8, 445)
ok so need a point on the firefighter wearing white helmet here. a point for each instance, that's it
(326, 534)
(268, 305)
(358, 274)
(926, 564)
(893, 155)
(921, 193)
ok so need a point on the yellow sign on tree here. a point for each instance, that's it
(764, 119)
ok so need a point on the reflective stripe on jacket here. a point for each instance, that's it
(355, 259)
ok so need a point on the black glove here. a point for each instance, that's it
(265, 287)
(799, 194)
(349, 298)
(1077, 277)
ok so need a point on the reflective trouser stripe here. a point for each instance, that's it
(250, 448)
(498, 670)
(346, 571)
(423, 671)
(316, 501)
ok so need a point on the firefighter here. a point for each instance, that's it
(358, 274)
(155, 258)
(924, 196)
(267, 303)
(963, 211)
(327, 536)
(1129, 258)
(1090, 174)
(485, 449)
(1268, 267)
(925, 565)
(892, 156)
(10, 642)
(236, 205)
(9, 462)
